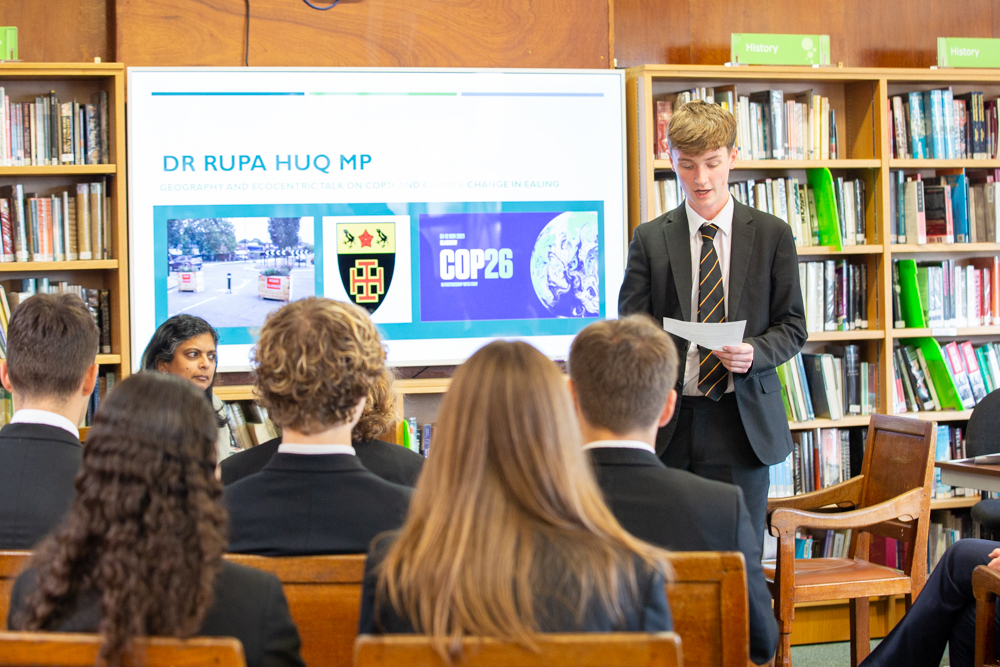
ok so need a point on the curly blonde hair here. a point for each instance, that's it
(316, 358)
(379, 415)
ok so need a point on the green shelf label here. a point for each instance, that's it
(968, 52)
(763, 49)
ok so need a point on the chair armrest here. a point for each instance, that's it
(785, 521)
(845, 492)
(985, 587)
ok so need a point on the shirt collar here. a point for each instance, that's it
(291, 448)
(724, 220)
(32, 416)
(620, 444)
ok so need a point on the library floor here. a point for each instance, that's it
(832, 655)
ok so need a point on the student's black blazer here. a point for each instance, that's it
(680, 511)
(763, 290)
(249, 605)
(392, 463)
(553, 613)
(304, 504)
(37, 466)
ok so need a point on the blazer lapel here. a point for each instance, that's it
(740, 252)
(675, 233)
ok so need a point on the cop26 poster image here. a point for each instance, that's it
(456, 206)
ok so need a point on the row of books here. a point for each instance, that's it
(249, 425)
(414, 436)
(949, 293)
(835, 294)
(949, 528)
(105, 383)
(66, 226)
(819, 458)
(937, 124)
(49, 132)
(949, 445)
(669, 195)
(98, 301)
(949, 208)
(828, 386)
(768, 126)
(955, 376)
(822, 543)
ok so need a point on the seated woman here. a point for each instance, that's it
(392, 463)
(185, 346)
(140, 552)
(507, 533)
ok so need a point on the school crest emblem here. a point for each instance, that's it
(366, 255)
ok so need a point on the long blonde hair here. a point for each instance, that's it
(506, 504)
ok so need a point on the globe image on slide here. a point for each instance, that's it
(565, 265)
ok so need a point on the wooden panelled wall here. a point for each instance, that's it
(481, 33)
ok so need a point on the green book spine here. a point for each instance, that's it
(984, 369)
(944, 383)
(782, 370)
(828, 220)
(909, 295)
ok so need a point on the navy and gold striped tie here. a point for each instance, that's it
(712, 374)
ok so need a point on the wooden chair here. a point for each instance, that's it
(708, 602)
(11, 565)
(618, 649)
(324, 598)
(892, 497)
(59, 649)
(986, 588)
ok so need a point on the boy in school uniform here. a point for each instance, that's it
(622, 375)
(51, 347)
(713, 259)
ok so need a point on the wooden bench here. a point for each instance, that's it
(324, 597)
(11, 565)
(616, 649)
(64, 649)
(708, 601)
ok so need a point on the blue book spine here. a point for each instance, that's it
(960, 206)
(918, 142)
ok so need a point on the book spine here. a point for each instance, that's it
(66, 133)
(105, 298)
(97, 220)
(6, 230)
(58, 244)
(83, 220)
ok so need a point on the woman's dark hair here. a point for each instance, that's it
(165, 341)
(147, 531)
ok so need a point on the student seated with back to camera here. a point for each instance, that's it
(51, 345)
(622, 374)
(316, 362)
(390, 462)
(507, 534)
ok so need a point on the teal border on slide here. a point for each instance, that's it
(410, 331)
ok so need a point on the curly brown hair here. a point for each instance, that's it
(379, 414)
(315, 359)
(146, 531)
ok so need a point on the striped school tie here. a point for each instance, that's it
(712, 374)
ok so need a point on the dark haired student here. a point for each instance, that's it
(390, 462)
(50, 370)
(186, 346)
(140, 552)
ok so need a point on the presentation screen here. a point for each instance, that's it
(456, 206)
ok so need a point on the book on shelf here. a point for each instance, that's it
(819, 458)
(45, 228)
(45, 131)
(945, 529)
(664, 112)
(106, 380)
(949, 294)
(829, 385)
(834, 295)
(953, 207)
(953, 376)
(937, 124)
(98, 301)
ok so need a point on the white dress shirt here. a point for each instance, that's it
(292, 448)
(723, 243)
(30, 416)
(620, 444)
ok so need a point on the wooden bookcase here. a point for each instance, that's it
(23, 82)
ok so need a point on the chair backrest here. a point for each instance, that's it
(708, 602)
(324, 598)
(617, 649)
(984, 424)
(11, 565)
(59, 649)
(899, 457)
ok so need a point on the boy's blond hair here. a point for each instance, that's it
(699, 127)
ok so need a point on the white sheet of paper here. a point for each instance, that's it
(710, 335)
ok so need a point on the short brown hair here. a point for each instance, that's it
(316, 358)
(699, 127)
(622, 372)
(51, 342)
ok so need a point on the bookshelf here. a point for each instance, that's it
(22, 83)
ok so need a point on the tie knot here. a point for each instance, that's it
(709, 230)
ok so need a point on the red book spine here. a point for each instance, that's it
(6, 231)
